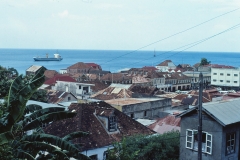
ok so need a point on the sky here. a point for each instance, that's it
(119, 25)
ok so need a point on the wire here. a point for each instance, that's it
(192, 44)
(172, 35)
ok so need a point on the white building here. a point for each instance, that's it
(81, 90)
(165, 66)
(226, 77)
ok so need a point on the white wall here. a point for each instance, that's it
(225, 77)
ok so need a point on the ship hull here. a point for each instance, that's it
(47, 59)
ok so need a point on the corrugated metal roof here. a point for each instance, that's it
(116, 90)
(226, 112)
(123, 86)
(33, 68)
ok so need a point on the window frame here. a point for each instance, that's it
(190, 140)
(230, 140)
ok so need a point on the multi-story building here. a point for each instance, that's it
(228, 78)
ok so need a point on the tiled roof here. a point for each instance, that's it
(87, 121)
(190, 99)
(98, 85)
(79, 65)
(50, 73)
(164, 63)
(112, 93)
(57, 96)
(115, 77)
(92, 64)
(218, 66)
(143, 89)
(149, 68)
(166, 124)
(59, 77)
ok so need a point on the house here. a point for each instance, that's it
(194, 76)
(81, 67)
(165, 66)
(175, 81)
(60, 96)
(94, 66)
(66, 83)
(166, 124)
(220, 131)
(157, 79)
(114, 91)
(59, 77)
(80, 90)
(136, 108)
(32, 70)
(116, 78)
(139, 91)
(50, 74)
(227, 78)
(104, 124)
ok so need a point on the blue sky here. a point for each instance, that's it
(118, 25)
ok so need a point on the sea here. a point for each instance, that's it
(110, 60)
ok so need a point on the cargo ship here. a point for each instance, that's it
(56, 57)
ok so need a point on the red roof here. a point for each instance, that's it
(92, 64)
(218, 66)
(149, 68)
(59, 77)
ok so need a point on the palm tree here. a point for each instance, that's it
(18, 119)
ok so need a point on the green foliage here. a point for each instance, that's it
(40, 95)
(204, 61)
(153, 147)
(16, 118)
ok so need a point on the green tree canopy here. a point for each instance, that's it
(142, 147)
(204, 61)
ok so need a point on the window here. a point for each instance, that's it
(132, 115)
(192, 141)
(94, 157)
(69, 98)
(214, 80)
(235, 75)
(214, 73)
(145, 113)
(230, 143)
(79, 87)
(221, 74)
(235, 82)
(112, 123)
(228, 81)
(221, 80)
(228, 74)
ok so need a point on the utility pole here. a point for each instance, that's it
(200, 116)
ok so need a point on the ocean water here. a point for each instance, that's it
(111, 60)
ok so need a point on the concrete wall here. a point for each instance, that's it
(210, 126)
(230, 129)
(148, 109)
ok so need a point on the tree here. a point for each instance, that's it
(40, 95)
(16, 119)
(6, 79)
(204, 62)
(142, 147)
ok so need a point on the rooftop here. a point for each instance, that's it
(86, 120)
(225, 112)
(127, 101)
